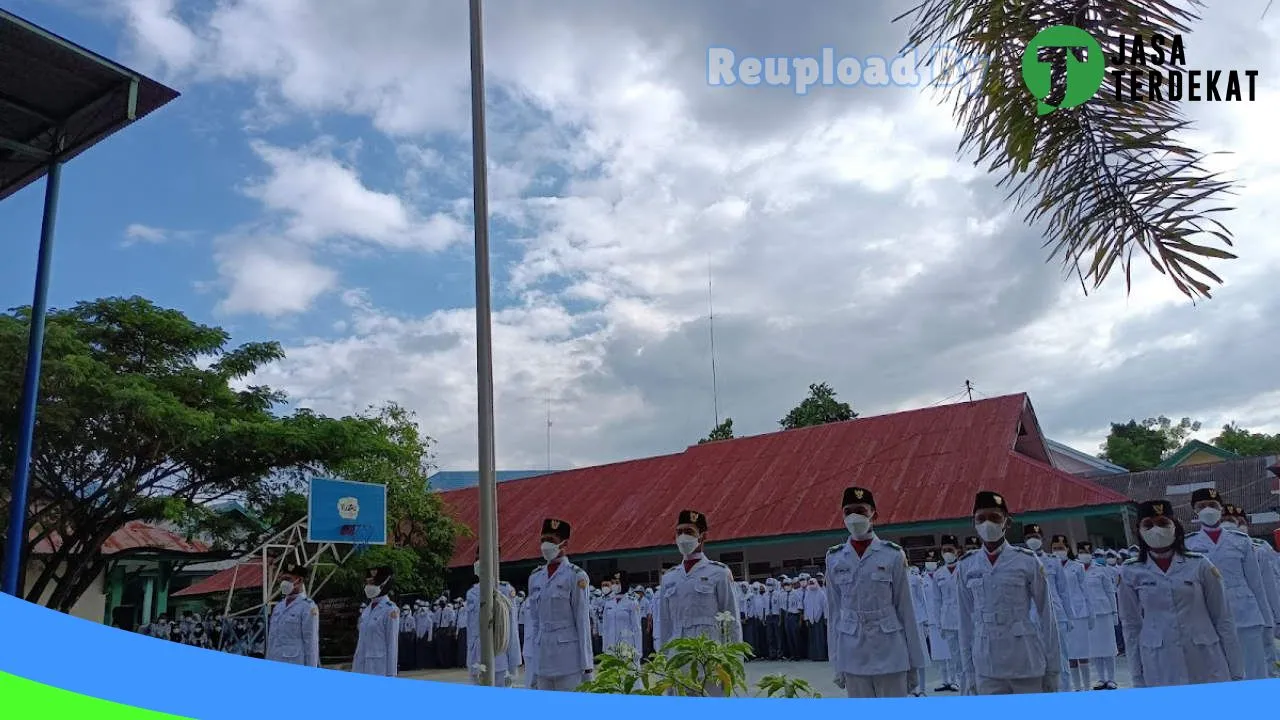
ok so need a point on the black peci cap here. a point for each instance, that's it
(1155, 508)
(1084, 546)
(972, 540)
(1205, 494)
(858, 496)
(1060, 539)
(1032, 529)
(379, 575)
(950, 540)
(694, 518)
(556, 528)
(931, 556)
(987, 500)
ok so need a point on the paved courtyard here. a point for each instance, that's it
(818, 675)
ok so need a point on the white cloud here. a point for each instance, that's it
(144, 234)
(268, 276)
(845, 241)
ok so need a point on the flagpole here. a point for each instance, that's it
(484, 354)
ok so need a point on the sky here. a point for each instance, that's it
(313, 185)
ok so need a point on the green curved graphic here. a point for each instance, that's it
(21, 699)
(1083, 66)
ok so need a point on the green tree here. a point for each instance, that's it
(1245, 443)
(1108, 180)
(819, 408)
(148, 415)
(1138, 446)
(723, 431)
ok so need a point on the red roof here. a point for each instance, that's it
(921, 465)
(135, 535)
(245, 576)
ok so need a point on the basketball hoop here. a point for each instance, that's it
(363, 535)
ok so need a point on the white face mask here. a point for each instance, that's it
(1209, 516)
(1228, 525)
(1034, 543)
(989, 531)
(550, 551)
(286, 588)
(856, 524)
(1158, 538)
(372, 591)
(1111, 561)
(1061, 554)
(948, 557)
(931, 566)
(686, 544)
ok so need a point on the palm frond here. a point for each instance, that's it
(1109, 179)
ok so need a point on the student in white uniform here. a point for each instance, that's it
(937, 646)
(915, 581)
(559, 634)
(1174, 609)
(815, 619)
(697, 593)
(1100, 588)
(1232, 553)
(378, 642)
(1235, 518)
(944, 580)
(873, 639)
(622, 623)
(1002, 650)
(293, 632)
(1079, 611)
(1033, 538)
(505, 665)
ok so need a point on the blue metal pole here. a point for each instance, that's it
(31, 390)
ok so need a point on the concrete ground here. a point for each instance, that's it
(817, 674)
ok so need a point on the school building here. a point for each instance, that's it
(773, 500)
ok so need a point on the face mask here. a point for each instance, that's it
(989, 531)
(608, 590)
(372, 591)
(1061, 554)
(1034, 543)
(1228, 525)
(686, 544)
(931, 566)
(550, 551)
(1158, 538)
(857, 524)
(948, 557)
(1111, 561)
(1209, 516)
(286, 588)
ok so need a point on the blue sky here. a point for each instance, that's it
(312, 185)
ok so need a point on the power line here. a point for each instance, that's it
(711, 325)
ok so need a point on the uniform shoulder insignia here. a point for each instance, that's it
(1024, 551)
(315, 611)
(1131, 561)
(834, 548)
(967, 553)
(395, 614)
(1190, 555)
(1216, 572)
(717, 563)
(891, 544)
(1241, 534)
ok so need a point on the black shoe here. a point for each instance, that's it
(1100, 686)
(952, 687)
(943, 688)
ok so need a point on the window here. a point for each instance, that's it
(760, 569)
(730, 558)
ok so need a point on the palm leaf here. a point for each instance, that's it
(1107, 180)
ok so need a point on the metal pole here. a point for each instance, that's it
(17, 537)
(484, 353)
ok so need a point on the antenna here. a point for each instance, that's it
(968, 389)
(711, 325)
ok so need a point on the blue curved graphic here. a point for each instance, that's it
(95, 661)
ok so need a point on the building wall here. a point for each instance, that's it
(92, 605)
(1200, 457)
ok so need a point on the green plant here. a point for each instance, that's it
(687, 667)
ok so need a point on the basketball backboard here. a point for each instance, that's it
(342, 511)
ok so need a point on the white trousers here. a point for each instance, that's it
(876, 686)
(564, 683)
(1252, 646)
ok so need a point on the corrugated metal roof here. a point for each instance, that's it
(1099, 465)
(921, 465)
(446, 480)
(245, 576)
(1247, 482)
(136, 535)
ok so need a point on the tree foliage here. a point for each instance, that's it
(148, 415)
(1138, 446)
(723, 431)
(819, 408)
(1108, 179)
(1245, 443)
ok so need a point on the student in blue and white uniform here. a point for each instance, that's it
(1100, 588)
(1231, 551)
(815, 620)
(559, 656)
(1235, 518)
(1033, 538)
(294, 629)
(1079, 610)
(1174, 609)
